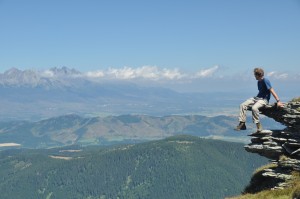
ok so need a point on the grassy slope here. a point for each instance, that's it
(261, 183)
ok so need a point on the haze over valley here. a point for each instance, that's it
(35, 95)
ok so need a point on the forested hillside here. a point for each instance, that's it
(176, 167)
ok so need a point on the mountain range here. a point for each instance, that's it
(35, 95)
(49, 79)
(108, 130)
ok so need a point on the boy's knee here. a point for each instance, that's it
(255, 109)
(244, 105)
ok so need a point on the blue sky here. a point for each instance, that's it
(175, 39)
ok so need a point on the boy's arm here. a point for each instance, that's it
(279, 103)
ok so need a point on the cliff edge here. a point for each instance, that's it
(282, 147)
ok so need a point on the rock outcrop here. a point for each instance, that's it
(282, 147)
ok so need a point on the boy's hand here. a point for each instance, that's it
(280, 104)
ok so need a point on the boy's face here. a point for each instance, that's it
(257, 76)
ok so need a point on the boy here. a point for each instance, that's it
(262, 99)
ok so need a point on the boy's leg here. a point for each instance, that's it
(255, 110)
(243, 109)
(242, 116)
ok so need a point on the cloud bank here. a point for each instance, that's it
(215, 78)
(154, 73)
(151, 73)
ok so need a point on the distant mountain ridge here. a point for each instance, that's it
(74, 129)
(48, 79)
(33, 95)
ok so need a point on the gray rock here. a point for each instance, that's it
(273, 144)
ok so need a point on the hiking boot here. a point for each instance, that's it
(259, 127)
(241, 126)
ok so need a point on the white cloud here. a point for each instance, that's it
(173, 74)
(207, 72)
(148, 72)
(95, 74)
(123, 73)
(47, 73)
(144, 72)
(154, 73)
(278, 75)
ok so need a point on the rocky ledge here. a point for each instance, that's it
(282, 147)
